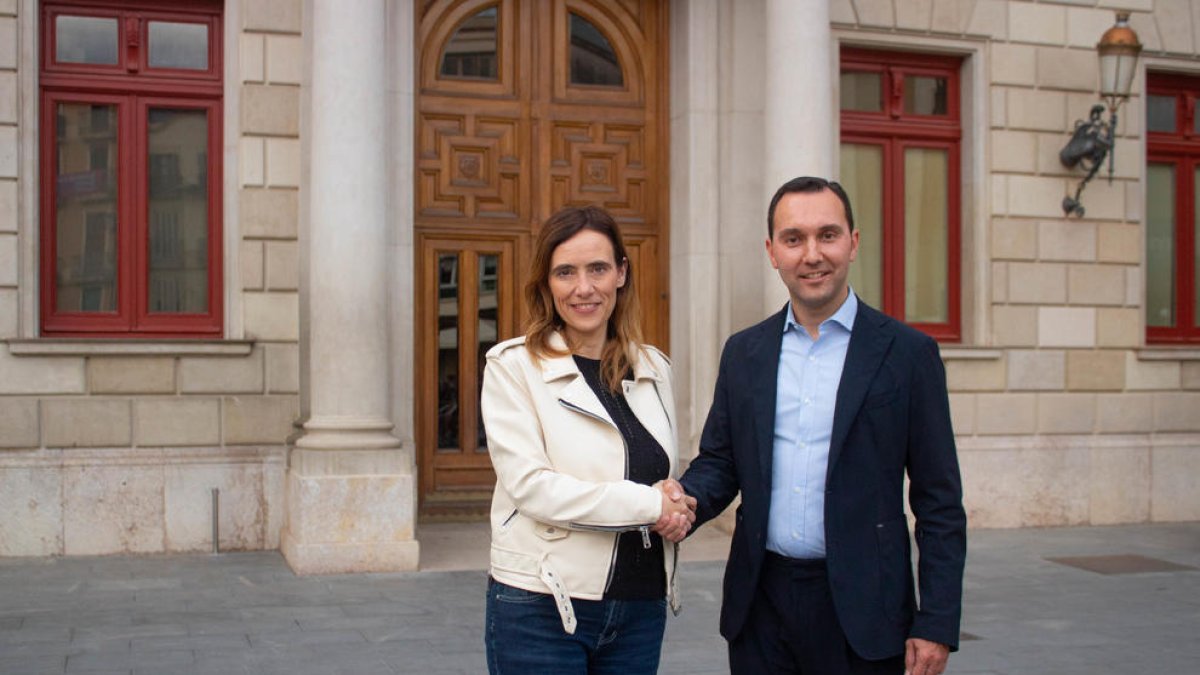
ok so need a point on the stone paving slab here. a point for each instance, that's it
(246, 613)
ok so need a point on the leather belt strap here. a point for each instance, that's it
(554, 582)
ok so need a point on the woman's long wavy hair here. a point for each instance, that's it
(624, 336)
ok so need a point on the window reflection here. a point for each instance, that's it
(85, 39)
(861, 91)
(85, 192)
(925, 95)
(862, 177)
(471, 53)
(926, 225)
(447, 340)
(487, 332)
(1160, 113)
(1160, 245)
(178, 45)
(178, 210)
(593, 60)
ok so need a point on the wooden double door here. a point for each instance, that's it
(523, 107)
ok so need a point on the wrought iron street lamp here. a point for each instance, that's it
(1093, 140)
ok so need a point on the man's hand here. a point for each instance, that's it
(922, 657)
(678, 511)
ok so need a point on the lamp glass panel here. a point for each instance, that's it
(471, 53)
(926, 232)
(85, 208)
(862, 177)
(925, 95)
(1160, 113)
(1160, 245)
(861, 91)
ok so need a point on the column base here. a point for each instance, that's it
(305, 559)
(347, 522)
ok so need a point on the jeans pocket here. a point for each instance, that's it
(513, 595)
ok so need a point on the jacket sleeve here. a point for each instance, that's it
(712, 476)
(935, 496)
(523, 469)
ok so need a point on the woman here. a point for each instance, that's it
(580, 423)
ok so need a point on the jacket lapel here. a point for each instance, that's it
(763, 358)
(869, 343)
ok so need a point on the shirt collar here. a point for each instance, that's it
(844, 316)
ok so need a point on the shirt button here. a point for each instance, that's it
(796, 490)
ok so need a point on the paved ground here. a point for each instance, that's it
(247, 613)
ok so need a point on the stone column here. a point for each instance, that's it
(799, 117)
(350, 487)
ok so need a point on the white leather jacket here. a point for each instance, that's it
(561, 492)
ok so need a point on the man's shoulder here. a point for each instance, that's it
(905, 338)
(771, 324)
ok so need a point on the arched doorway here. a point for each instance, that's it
(522, 107)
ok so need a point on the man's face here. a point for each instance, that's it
(812, 248)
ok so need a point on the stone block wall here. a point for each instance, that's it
(115, 446)
(1065, 416)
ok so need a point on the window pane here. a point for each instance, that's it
(1160, 113)
(472, 51)
(85, 204)
(862, 91)
(85, 39)
(178, 45)
(926, 228)
(178, 210)
(862, 177)
(447, 337)
(1160, 245)
(1196, 252)
(487, 331)
(925, 95)
(593, 60)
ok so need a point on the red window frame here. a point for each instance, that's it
(1180, 148)
(133, 87)
(894, 130)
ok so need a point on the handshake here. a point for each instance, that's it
(678, 511)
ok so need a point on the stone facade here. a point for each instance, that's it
(1064, 414)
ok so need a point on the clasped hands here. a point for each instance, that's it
(678, 511)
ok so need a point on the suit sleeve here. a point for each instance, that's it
(524, 471)
(935, 496)
(712, 477)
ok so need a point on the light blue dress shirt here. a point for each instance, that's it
(809, 374)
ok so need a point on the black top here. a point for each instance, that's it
(638, 572)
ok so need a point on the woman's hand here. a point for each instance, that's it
(678, 511)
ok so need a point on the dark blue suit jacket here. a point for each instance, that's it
(892, 415)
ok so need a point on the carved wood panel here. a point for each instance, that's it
(468, 166)
(599, 163)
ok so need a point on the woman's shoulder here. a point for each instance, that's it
(655, 357)
(509, 348)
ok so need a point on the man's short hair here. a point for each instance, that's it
(808, 184)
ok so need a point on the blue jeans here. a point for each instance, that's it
(524, 634)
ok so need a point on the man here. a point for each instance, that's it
(818, 413)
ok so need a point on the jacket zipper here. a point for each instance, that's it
(612, 561)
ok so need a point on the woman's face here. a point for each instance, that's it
(584, 278)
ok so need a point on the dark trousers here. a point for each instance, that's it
(793, 628)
